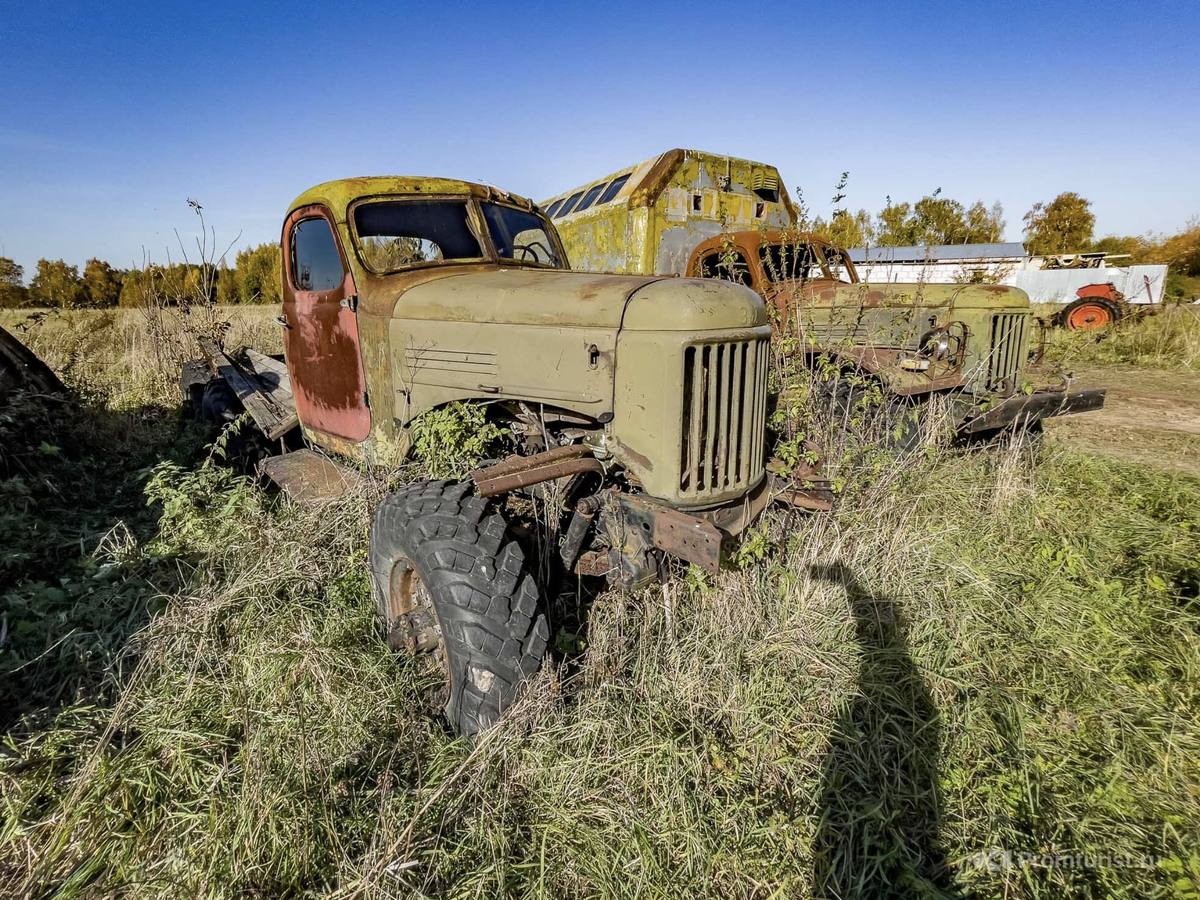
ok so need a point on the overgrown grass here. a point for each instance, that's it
(119, 358)
(980, 652)
(1167, 338)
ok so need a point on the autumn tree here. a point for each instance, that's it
(1064, 225)
(895, 226)
(12, 284)
(935, 219)
(984, 225)
(101, 284)
(846, 229)
(258, 274)
(55, 284)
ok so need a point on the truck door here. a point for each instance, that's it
(320, 336)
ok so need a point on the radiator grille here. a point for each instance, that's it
(1007, 350)
(724, 416)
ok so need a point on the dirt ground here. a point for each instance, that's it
(1150, 416)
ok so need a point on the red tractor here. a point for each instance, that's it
(1095, 306)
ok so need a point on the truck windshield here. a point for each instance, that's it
(785, 262)
(395, 234)
(520, 236)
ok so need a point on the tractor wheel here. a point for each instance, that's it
(447, 576)
(1090, 312)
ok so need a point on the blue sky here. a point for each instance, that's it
(115, 114)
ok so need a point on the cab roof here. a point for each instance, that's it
(338, 195)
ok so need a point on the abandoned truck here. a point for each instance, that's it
(970, 342)
(645, 219)
(640, 402)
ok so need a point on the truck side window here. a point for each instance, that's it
(728, 265)
(520, 235)
(316, 263)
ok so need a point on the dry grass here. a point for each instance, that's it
(993, 650)
(1166, 338)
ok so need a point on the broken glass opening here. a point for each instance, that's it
(785, 262)
(395, 234)
(519, 235)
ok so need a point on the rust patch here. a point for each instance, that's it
(320, 341)
(526, 471)
(656, 178)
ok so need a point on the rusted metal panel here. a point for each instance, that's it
(1032, 407)
(525, 471)
(270, 407)
(321, 345)
(310, 478)
(675, 533)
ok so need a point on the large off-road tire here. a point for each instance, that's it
(435, 545)
(209, 397)
(193, 378)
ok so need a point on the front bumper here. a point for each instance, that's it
(1034, 407)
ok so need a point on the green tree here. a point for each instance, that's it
(12, 284)
(101, 284)
(985, 226)
(940, 220)
(895, 226)
(55, 284)
(1064, 225)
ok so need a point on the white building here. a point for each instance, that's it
(1044, 279)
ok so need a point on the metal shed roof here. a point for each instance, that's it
(936, 253)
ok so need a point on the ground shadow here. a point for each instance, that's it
(72, 501)
(880, 807)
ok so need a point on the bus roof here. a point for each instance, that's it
(642, 183)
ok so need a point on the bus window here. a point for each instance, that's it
(614, 188)
(590, 197)
(566, 207)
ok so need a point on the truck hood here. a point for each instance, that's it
(522, 296)
(925, 296)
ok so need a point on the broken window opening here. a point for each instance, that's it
(396, 234)
(727, 265)
(520, 236)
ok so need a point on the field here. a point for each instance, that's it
(978, 677)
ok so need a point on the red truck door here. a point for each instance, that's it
(320, 336)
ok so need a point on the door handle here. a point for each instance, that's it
(490, 388)
(280, 320)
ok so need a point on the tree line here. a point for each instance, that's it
(254, 278)
(1065, 224)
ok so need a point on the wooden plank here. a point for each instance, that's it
(273, 380)
(268, 419)
(310, 478)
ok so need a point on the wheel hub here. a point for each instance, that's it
(410, 612)
(1089, 315)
